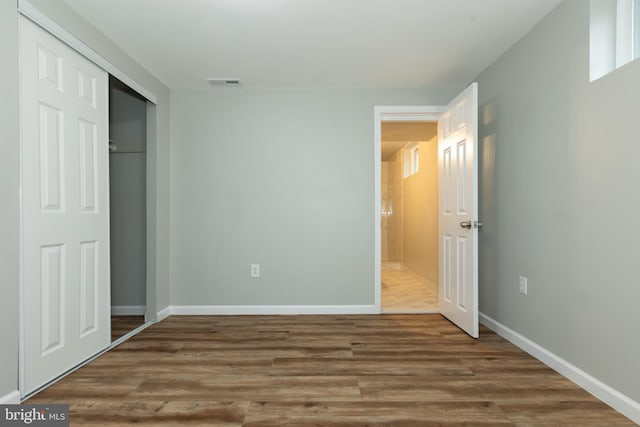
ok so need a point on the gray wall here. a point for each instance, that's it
(420, 212)
(284, 178)
(9, 186)
(127, 208)
(9, 167)
(559, 199)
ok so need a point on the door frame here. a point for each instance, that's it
(390, 114)
(39, 18)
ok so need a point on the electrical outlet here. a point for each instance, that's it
(523, 285)
(255, 270)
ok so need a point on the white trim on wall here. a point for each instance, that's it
(151, 194)
(270, 309)
(163, 314)
(128, 310)
(410, 113)
(389, 114)
(618, 401)
(12, 398)
(34, 14)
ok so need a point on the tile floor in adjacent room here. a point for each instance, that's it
(405, 292)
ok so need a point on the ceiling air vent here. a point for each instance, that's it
(218, 82)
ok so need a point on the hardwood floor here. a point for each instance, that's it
(340, 371)
(405, 292)
(122, 325)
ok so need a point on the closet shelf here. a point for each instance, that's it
(115, 148)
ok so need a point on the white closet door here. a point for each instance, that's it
(65, 207)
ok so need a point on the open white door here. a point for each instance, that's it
(65, 207)
(458, 210)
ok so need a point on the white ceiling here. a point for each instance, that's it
(315, 43)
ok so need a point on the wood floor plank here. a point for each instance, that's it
(337, 371)
(406, 350)
(207, 364)
(421, 388)
(561, 413)
(271, 351)
(248, 387)
(76, 387)
(313, 341)
(153, 413)
(527, 388)
(363, 366)
(122, 325)
(342, 414)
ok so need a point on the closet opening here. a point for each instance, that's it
(128, 207)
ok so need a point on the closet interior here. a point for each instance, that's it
(128, 208)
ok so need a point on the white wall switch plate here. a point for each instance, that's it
(523, 285)
(255, 270)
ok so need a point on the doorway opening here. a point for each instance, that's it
(128, 208)
(409, 216)
(457, 207)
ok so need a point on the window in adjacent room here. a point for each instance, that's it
(636, 28)
(411, 159)
(614, 35)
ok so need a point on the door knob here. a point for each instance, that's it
(466, 224)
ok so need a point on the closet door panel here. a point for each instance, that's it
(65, 207)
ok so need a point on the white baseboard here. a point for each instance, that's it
(163, 314)
(618, 401)
(128, 310)
(12, 398)
(270, 309)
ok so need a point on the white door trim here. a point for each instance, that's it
(390, 114)
(34, 14)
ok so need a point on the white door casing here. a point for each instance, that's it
(390, 114)
(65, 207)
(458, 210)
